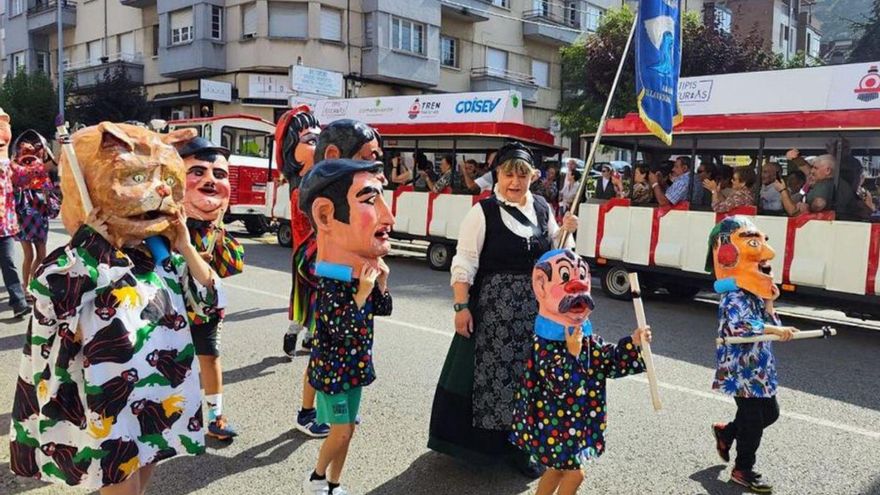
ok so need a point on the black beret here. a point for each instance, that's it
(200, 145)
(326, 172)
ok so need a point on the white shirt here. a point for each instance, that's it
(569, 191)
(472, 235)
(484, 181)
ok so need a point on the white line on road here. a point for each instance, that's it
(678, 388)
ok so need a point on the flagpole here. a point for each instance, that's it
(592, 155)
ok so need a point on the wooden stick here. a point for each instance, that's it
(70, 154)
(823, 333)
(636, 292)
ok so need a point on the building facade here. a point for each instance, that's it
(212, 57)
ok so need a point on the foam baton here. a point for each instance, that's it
(822, 333)
(73, 163)
(636, 292)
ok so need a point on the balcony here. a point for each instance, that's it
(490, 79)
(400, 67)
(549, 28)
(465, 10)
(195, 58)
(86, 74)
(140, 4)
(42, 15)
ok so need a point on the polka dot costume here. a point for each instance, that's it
(559, 417)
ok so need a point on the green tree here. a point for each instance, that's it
(114, 97)
(867, 48)
(31, 102)
(590, 63)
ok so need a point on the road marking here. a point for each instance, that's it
(669, 386)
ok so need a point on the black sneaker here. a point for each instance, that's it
(21, 312)
(289, 345)
(750, 480)
(721, 445)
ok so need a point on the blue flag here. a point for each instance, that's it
(658, 61)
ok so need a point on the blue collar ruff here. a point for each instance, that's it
(333, 270)
(550, 330)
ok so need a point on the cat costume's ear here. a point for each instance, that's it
(114, 137)
(179, 137)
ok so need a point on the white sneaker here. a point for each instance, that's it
(316, 487)
(340, 490)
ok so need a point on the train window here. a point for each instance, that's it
(246, 142)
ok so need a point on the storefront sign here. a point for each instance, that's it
(215, 90)
(489, 106)
(311, 81)
(268, 87)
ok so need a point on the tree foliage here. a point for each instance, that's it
(114, 98)
(31, 102)
(589, 65)
(867, 48)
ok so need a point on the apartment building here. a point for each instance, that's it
(205, 57)
(786, 26)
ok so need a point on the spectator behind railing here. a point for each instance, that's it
(678, 191)
(605, 184)
(641, 190)
(771, 199)
(548, 186)
(819, 196)
(569, 187)
(741, 195)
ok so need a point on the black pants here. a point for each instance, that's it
(752, 416)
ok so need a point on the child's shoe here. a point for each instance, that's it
(750, 480)
(721, 444)
(307, 422)
(221, 429)
(315, 487)
(339, 490)
(290, 340)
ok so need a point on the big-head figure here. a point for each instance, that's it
(296, 136)
(561, 281)
(740, 257)
(135, 177)
(346, 138)
(5, 135)
(207, 180)
(344, 202)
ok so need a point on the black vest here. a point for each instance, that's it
(505, 252)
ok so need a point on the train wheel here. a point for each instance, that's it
(440, 256)
(615, 283)
(285, 236)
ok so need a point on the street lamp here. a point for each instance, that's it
(60, 30)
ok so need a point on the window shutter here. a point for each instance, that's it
(288, 20)
(249, 23)
(331, 24)
(126, 46)
(182, 19)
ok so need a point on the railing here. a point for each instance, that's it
(44, 6)
(551, 16)
(134, 58)
(515, 77)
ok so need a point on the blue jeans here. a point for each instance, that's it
(10, 274)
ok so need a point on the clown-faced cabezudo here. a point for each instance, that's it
(740, 257)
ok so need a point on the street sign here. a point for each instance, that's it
(313, 81)
(215, 90)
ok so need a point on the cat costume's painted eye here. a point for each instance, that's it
(138, 178)
(170, 181)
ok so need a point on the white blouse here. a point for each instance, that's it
(473, 234)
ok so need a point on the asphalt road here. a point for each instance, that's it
(827, 440)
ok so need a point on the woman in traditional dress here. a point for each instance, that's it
(34, 192)
(500, 240)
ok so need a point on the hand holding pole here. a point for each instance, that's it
(823, 333)
(636, 292)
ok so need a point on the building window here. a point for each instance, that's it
(216, 23)
(448, 52)
(44, 62)
(249, 20)
(18, 62)
(368, 30)
(541, 73)
(501, 3)
(127, 50)
(16, 7)
(155, 40)
(407, 36)
(331, 24)
(288, 20)
(181, 26)
(496, 62)
(571, 13)
(592, 17)
(723, 19)
(95, 51)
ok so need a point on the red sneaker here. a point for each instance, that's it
(721, 445)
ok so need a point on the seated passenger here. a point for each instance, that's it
(641, 190)
(771, 200)
(445, 179)
(401, 173)
(678, 191)
(459, 183)
(604, 185)
(423, 170)
(820, 196)
(741, 194)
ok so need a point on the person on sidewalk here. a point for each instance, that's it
(9, 224)
(740, 257)
(559, 415)
(205, 201)
(344, 202)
